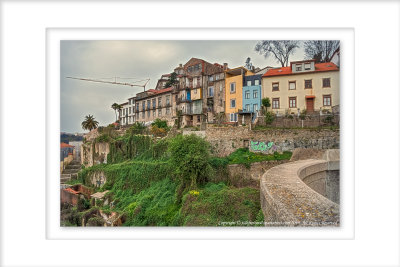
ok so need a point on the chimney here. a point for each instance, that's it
(225, 66)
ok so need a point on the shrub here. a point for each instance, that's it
(190, 159)
(269, 117)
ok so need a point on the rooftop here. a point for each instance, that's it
(62, 145)
(319, 67)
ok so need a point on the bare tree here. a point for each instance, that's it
(321, 51)
(280, 50)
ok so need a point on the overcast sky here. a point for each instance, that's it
(134, 59)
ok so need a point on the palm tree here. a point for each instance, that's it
(89, 123)
(115, 107)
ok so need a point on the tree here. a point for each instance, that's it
(89, 123)
(171, 80)
(266, 103)
(116, 107)
(190, 159)
(280, 50)
(321, 51)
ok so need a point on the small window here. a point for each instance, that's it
(159, 112)
(210, 91)
(255, 108)
(233, 103)
(275, 103)
(247, 94)
(275, 86)
(248, 107)
(292, 85)
(292, 102)
(211, 78)
(198, 118)
(308, 84)
(255, 94)
(257, 82)
(154, 113)
(233, 87)
(327, 100)
(233, 117)
(307, 66)
(298, 67)
(326, 82)
(248, 83)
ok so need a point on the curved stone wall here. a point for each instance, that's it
(302, 193)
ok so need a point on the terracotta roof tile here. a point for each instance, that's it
(62, 145)
(328, 66)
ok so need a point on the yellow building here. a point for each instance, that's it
(305, 85)
(233, 91)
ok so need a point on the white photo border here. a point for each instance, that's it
(24, 231)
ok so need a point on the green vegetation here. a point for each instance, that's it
(245, 157)
(167, 182)
(269, 117)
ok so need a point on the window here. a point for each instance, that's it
(211, 78)
(233, 117)
(167, 99)
(292, 85)
(326, 82)
(248, 107)
(167, 110)
(292, 102)
(298, 67)
(198, 118)
(247, 94)
(210, 91)
(148, 114)
(275, 103)
(159, 102)
(233, 103)
(255, 108)
(233, 87)
(275, 86)
(248, 83)
(137, 107)
(307, 66)
(143, 115)
(130, 110)
(154, 113)
(148, 104)
(327, 100)
(160, 112)
(255, 94)
(154, 103)
(307, 84)
(257, 82)
(143, 105)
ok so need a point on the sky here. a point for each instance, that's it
(135, 59)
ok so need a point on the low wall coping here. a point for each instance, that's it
(291, 201)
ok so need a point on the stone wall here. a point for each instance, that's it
(94, 153)
(302, 193)
(225, 140)
(254, 173)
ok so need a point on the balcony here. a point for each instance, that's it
(184, 100)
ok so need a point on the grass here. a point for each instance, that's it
(245, 157)
(221, 205)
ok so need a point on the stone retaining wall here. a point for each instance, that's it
(225, 140)
(302, 193)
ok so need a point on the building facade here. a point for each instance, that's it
(123, 114)
(155, 104)
(305, 85)
(234, 79)
(252, 95)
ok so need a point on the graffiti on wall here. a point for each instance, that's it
(262, 146)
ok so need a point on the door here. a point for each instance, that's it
(310, 105)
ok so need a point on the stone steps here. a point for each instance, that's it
(68, 171)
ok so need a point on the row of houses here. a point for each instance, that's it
(210, 93)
